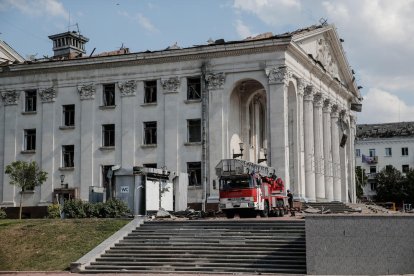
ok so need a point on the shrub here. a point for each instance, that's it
(53, 211)
(91, 209)
(113, 208)
(3, 214)
(74, 208)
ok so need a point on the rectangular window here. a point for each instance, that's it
(150, 88)
(30, 100)
(371, 152)
(194, 130)
(405, 168)
(68, 153)
(404, 151)
(194, 173)
(150, 165)
(373, 169)
(388, 152)
(108, 135)
(69, 115)
(150, 133)
(373, 186)
(193, 88)
(357, 153)
(109, 94)
(30, 139)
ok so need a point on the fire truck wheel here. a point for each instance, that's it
(265, 212)
(229, 214)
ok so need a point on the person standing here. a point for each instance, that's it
(290, 201)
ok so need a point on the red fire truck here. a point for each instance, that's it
(248, 188)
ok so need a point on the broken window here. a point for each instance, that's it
(194, 173)
(30, 100)
(404, 151)
(69, 115)
(193, 88)
(150, 91)
(68, 152)
(388, 152)
(372, 153)
(194, 130)
(150, 165)
(30, 139)
(373, 186)
(405, 168)
(150, 133)
(373, 169)
(108, 135)
(109, 94)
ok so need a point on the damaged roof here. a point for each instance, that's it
(387, 130)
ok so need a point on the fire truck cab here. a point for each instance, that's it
(248, 188)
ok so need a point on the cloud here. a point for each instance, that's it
(37, 8)
(242, 30)
(143, 21)
(383, 107)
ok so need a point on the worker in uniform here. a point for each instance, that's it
(290, 201)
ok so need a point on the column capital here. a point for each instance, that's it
(281, 74)
(87, 91)
(170, 85)
(127, 88)
(10, 97)
(335, 111)
(301, 84)
(308, 93)
(215, 80)
(317, 99)
(343, 113)
(327, 105)
(48, 95)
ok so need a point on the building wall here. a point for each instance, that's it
(379, 145)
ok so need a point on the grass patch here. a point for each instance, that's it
(50, 245)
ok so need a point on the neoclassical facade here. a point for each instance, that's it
(287, 98)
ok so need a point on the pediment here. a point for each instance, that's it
(324, 47)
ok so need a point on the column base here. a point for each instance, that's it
(319, 199)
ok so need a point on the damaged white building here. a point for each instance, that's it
(284, 100)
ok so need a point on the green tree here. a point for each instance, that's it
(390, 185)
(360, 180)
(409, 187)
(25, 175)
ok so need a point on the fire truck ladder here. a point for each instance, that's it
(228, 167)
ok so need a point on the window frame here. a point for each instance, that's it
(371, 152)
(68, 156)
(404, 151)
(194, 167)
(150, 92)
(68, 118)
(30, 139)
(405, 168)
(388, 153)
(107, 89)
(357, 152)
(191, 128)
(30, 100)
(193, 88)
(108, 135)
(150, 133)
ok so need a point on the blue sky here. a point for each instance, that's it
(378, 34)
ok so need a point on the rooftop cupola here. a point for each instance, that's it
(70, 44)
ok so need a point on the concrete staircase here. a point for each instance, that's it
(208, 246)
(335, 207)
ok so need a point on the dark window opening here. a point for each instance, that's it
(371, 152)
(30, 139)
(108, 135)
(194, 130)
(194, 173)
(30, 101)
(68, 153)
(109, 94)
(405, 168)
(69, 115)
(150, 92)
(373, 186)
(373, 169)
(150, 165)
(404, 151)
(193, 88)
(150, 133)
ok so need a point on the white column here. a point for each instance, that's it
(327, 150)
(278, 121)
(87, 108)
(10, 99)
(127, 128)
(309, 145)
(302, 189)
(47, 131)
(215, 82)
(318, 136)
(335, 154)
(344, 156)
(351, 158)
